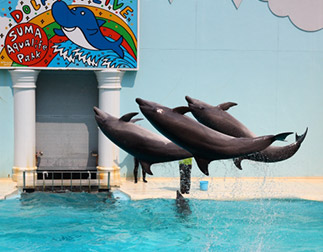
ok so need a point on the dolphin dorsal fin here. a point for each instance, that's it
(100, 22)
(136, 120)
(203, 164)
(127, 117)
(181, 110)
(225, 106)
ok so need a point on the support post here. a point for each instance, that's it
(109, 85)
(24, 85)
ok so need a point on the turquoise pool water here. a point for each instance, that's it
(95, 222)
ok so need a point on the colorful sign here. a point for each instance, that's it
(71, 34)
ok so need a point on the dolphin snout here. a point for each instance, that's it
(140, 101)
(144, 103)
(96, 110)
(100, 114)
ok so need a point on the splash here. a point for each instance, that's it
(71, 55)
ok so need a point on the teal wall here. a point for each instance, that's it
(6, 125)
(211, 51)
(214, 52)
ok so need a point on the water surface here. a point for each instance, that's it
(96, 222)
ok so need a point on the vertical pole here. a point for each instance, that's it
(80, 182)
(109, 85)
(43, 181)
(108, 181)
(52, 181)
(89, 180)
(24, 85)
(24, 180)
(98, 177)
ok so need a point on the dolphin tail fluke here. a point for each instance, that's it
(203, 164)
(118, 48)
(282, 136)
(237, 163)
(301, 138)
(146, 167)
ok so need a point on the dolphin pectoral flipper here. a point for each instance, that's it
(181, 110)
(59, 32)
(136, 120)
(237, 162)
(127, 117)
(146, 167)
(225, 106)
(203, 164)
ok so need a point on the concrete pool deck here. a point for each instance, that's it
(310, 188)
(7, 188)
(229, 188)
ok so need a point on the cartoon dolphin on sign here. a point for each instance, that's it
(81, 27)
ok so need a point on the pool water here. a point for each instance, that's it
(97, 222)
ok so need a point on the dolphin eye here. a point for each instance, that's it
(82, 13)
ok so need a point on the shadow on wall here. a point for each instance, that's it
(5, 80)
(128, 79)
(6, 124)
(127, 166)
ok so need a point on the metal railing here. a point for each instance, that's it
(60, 181)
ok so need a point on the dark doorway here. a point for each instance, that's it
(66, 131)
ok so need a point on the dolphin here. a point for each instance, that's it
(148, 147)
(80, 25)
(203, 142)
(218, 119)
(182, 204)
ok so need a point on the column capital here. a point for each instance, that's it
(109, 79)
(24, 78)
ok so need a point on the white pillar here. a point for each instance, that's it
(109, 85)
(24, 85)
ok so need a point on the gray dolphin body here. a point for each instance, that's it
(148, 147)
(203, 142)
(218, 119)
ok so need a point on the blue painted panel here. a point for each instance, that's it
(212, 51)
(6, 125)
(273, 70)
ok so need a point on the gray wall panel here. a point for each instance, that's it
(66, 131)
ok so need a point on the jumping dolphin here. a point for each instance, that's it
(203, 142)
(80, 25)
(218, 119)
(148, 147)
